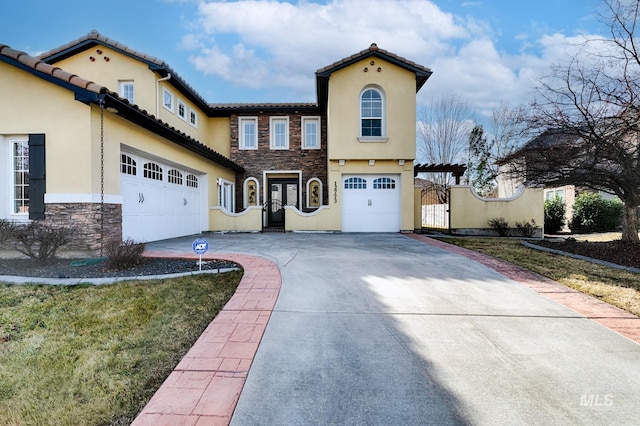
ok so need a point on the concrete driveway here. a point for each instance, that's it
(381, 329)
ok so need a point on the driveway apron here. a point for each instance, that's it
(381, 329)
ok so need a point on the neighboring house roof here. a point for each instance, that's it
(89, 92)
(323, 74)
(549, 139)
(94, 38)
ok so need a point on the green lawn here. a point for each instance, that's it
(94, 355)
(614, 286)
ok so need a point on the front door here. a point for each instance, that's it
(282, 192)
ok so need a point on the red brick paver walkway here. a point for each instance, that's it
(205, 386)
(609, 316)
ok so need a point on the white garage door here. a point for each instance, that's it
(158, 201)
(371, 203)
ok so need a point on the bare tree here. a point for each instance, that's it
(443, 133)
(590, 110)
(486, 149)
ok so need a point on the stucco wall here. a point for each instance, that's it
(249, 220)
(399, 88)
(471, 212)
(40, 107)
(147, 92)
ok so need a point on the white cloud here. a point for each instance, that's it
(277, 46)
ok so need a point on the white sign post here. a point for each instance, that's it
(200, 246)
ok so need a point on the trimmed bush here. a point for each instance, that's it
(123, 254)
(527, 229)
(41, 240)
(593, 213)
(500, 225)
(554, 212)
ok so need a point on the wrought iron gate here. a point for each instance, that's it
(435, 208)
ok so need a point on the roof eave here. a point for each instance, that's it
(133, 114)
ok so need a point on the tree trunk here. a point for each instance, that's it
(630, 223)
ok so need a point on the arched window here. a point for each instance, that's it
(371, 113)
(384, 183)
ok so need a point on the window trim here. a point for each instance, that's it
(226, 193)
(273, 121)
(318, 122)
(121, 90)
(383, 122)
(183, 104)
(241, 132)
(13, 211)
(193, 117)
(167, 92)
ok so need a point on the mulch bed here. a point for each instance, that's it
(611, 251)
(72, 268)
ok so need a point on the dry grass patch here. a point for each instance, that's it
(616, 287)
(91, 355)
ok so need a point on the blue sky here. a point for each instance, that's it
(487, 51)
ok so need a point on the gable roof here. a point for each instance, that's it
(547, 140)
(89, 92)
(94, 38)
(323, 74)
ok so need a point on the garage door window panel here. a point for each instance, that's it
(192, 181)
(127, 165)
(152, 171)
(174, 177)
(384, 183)
(355, 183)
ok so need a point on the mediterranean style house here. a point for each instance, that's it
(114, 142)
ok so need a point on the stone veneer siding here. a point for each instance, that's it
(85, 219)
(312, 162)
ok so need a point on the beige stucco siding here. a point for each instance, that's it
(120, 134)
(37, 106)
(147, 89)
(346, 85)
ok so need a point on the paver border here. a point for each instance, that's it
(205, 386)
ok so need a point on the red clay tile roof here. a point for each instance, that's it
(154, 63)
(58, 73)
(131, 112)
(375, 51)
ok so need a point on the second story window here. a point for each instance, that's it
(182, 110)
(248, 132)
(279, 132)
(125, 90)
(193, 118)
(167, 99)
(371, 113)
(310, 132)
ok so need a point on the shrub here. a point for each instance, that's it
(7, 232)
(527, 229)
(500, 225)
(41, 240)
(554, 212)
(123, 254)
(591, 212)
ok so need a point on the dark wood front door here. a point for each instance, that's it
(282, 192)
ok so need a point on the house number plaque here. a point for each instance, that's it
(335, 192)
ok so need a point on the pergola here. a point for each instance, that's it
(457, 170)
